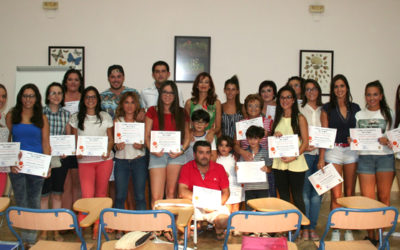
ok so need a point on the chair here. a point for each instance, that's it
(136, 220)
(46, 219)
(360, 219)
(264, 222)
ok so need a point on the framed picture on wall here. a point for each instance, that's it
(317, 65)
(73, 57)
(192, 56)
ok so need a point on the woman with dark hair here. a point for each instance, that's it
(376, 168)
(289, 172)
(73, 86)
(311, 109)
(30, 127)
(297, 83)
(339, 113)
(232, 109)
(164, 167)
(204, 97)
(94, 171)
(4, 133)
(397, 125)
(267, 91)
(58, 119)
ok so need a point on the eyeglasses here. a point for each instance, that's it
(55, 93)
(90, 97)
(167, 93)
(29, 96)
(311, 89)
(289, 97)
(253, 106)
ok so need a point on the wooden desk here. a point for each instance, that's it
(274, 204)
(4, 202)
(93, 207)
(184, 213)
(360, 202)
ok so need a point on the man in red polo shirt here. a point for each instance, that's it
(205, 173)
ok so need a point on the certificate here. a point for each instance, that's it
(129, 132)
(169, 141)
(250, 172)
(72, 107)
(206, 198)
(323, 182)
(365, 138)
(270, 113)
(62, 145)
(236, 194)
(9, 154)
(92, 145)
(394, 138)
(284, 146)
(320, 137)
(242, 126)
(34, 163)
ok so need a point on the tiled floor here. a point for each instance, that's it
(207, 239)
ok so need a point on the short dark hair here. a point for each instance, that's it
(159, 63)
(54, 84)
(255, 132)
(267, 83)
(201, 144)
(200, 115)
(226, 138)
(115, 67)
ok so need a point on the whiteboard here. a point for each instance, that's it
(41, 76)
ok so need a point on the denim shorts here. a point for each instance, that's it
(341, 155)
(164, 160)
(370, 164)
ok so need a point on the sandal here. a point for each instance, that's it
(58, 237)
(168, 236)
(306, 235)
(314, 236)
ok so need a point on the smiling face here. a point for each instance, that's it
(224, 149)
(73, 83)
(267, 93)
(311, 92)
(116, 79)
(286, 100)
(90, 99)
(231, 91)
(28, 98)
(296, 85)
(55, 95)
(204, 84)
(200, 126)
(3, 98)
(167, 95)
(340, 89)
(253, 109)
(253, 142)
(373, 96)
(129, 106)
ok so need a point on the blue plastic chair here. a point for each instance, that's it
(136, 220)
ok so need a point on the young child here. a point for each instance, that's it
(254, 135)
(226, 159)
(200, 119)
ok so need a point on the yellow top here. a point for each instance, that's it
(299, 165)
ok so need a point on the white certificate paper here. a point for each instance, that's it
(320, 137)
(129, 132)
(72, 107)
(169, 141)
(9, 154)
(394, 138)
(365, 139)
(92, 145)
(34, 163)
(242, 126)
(323, 182)
(62, 145)
(250, 172)
(270, 114)
(206, 198)
(284, 146)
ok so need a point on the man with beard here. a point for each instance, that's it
(205, 173)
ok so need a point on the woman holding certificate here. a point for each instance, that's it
(30, 127)
(164, 166)
(289, 172)
(4, 133)
(340, 113)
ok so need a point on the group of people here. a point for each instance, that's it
(209, 149)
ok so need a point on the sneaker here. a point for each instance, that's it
(335, 235)
(306, 235)
(348, 235)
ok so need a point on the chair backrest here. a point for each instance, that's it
(136, 220)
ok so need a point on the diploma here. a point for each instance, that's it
(320, 137)
(242, 126)
(129, 132)
(236, 194)
(365, 139)
(62, 145)
(206, 198)
(270, 114)
(72, 107)
(34, 163)
(394, 138)
(323, 182)
(250, 172)
(9, 154)
(92, 145)
(284, 146)
(169, 141)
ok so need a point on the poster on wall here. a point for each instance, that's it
(192, 56)
(71, 56)
(317, 65)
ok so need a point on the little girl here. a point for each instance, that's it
(226, 159)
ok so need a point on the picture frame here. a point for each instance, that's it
(317, 65)
(192, 56)
(71, 56)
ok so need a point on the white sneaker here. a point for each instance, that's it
(335, 235)
(348, 235)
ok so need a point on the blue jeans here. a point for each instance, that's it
(27, 192)
(124, 169)
(312, 200)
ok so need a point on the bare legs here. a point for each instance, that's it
(349, 177)
(164, 180)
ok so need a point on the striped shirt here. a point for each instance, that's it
(228, 123)
(57, 121)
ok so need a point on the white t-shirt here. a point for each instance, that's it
(129, 152)
(313, 117)
(229, 164)
(189, 152)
